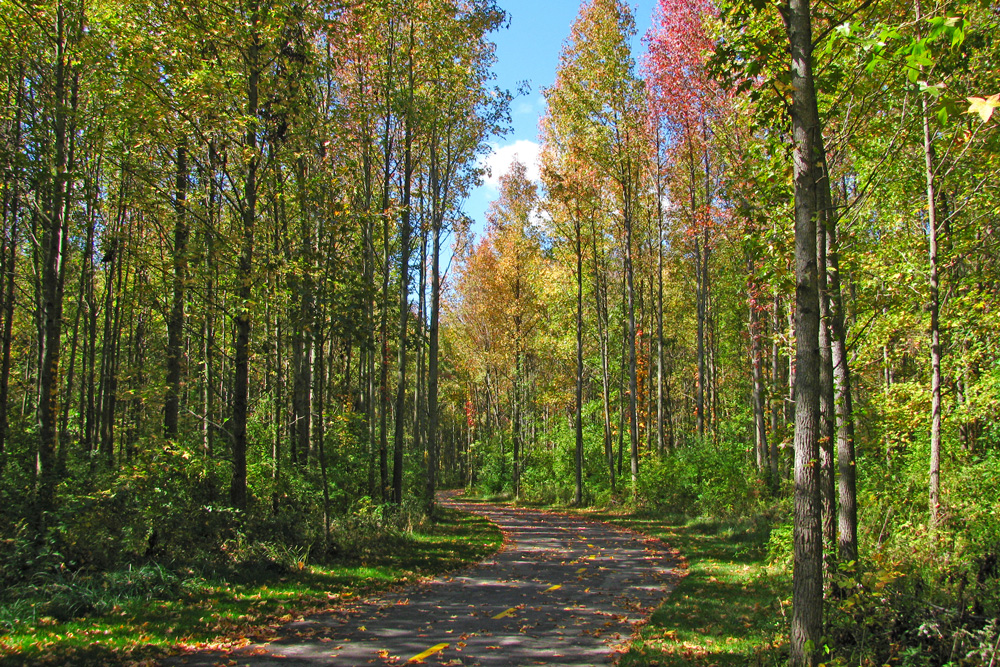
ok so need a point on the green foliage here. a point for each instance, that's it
(550, 470)
(65, 595)
(921, 596)
(369, 529)
(165, 506)
(704, 480)
(493, 465)
(780, 544)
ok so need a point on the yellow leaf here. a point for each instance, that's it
(983, 106)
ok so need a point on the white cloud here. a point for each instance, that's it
(497, 162)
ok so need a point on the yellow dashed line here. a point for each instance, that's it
(428, 653)
(505, 614)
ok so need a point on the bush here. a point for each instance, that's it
(370, 529)
(164, 507)
(702, 480)
(64, 595)
(549, 472)
(925, 596)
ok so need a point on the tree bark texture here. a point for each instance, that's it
(807, 577)
(175, 323)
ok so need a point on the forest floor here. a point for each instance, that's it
(564, 590)
(229, 611)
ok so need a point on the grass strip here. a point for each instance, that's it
(227, 613)
(729, 608)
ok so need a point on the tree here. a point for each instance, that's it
(599, 96)
(807, 615)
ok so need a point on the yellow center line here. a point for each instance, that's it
(428, 653)
(505, 614)
(552, 588)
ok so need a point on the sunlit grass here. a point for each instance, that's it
(730, 607)
(224, 613)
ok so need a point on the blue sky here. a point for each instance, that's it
(529, 50)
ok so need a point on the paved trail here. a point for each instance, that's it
(562, 591)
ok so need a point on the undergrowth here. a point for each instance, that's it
(133, 614)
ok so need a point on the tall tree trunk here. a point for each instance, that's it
(660, 378)
(710, 367)
(90, 216)
(404, 299)
(387, 171)
(303, 334)
(700, 317)
(516, 426)
(777, 399)
(432, 361)
(8, 260)
(114, 277)
(420, 392)
(320, 428)
(85, 407)
(632, 376)
(7, 282)
(847, 500)
(367, 362)
(577, 223)
(807, 576)
(600, 297)
(827, 434)
(757, 369)
(175, 323)
(241, 347)
(383, 445)
(700, 389)
(209, 394)
(279, 415)
(934, 477)
(54, 247)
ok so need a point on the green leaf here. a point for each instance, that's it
(934, 91)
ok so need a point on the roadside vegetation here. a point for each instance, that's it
(904, 604)
(137, 613)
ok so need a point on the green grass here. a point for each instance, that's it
(227, 612)
(730, 607)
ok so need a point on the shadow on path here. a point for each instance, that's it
(562, 591)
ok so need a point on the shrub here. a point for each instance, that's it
(702, 479)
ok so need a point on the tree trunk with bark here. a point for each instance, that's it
(241, 346)
(404, 303)
(175, 322)
(55, 226)
(826, 397)
(578, 426)
(807, 577)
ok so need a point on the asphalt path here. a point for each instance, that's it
(562, 591)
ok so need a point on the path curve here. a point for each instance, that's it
(562, 591)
